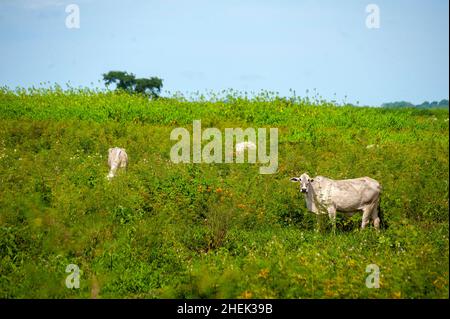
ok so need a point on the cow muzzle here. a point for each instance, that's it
(303, 190)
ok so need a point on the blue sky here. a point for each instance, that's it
(244, 45)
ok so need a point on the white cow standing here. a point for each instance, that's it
(326, 196)
(241, 147)
(117, 158)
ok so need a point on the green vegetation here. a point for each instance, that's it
(424, 105)
(164, 230)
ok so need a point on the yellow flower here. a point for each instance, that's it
(263, 273)
(246, 294)
(397, 295)
(38, 222)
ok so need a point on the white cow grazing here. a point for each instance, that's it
(117, 158)
(241, 147)
(326, 196)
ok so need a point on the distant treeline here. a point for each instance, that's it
(424, 105)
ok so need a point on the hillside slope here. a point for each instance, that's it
(165, 230)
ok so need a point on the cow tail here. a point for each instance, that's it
(383, 222)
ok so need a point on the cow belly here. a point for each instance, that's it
(347, 205)
(348, 201)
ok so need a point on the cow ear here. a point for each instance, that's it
(294, 179)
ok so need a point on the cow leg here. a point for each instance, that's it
(366, 216)
(332, 216)
(320, 222)
(112, 172)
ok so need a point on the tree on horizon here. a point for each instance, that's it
(128, 82)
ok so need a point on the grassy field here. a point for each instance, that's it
(165, 230)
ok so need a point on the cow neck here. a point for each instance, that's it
(310, 196)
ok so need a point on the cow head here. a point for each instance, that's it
(304, 181)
